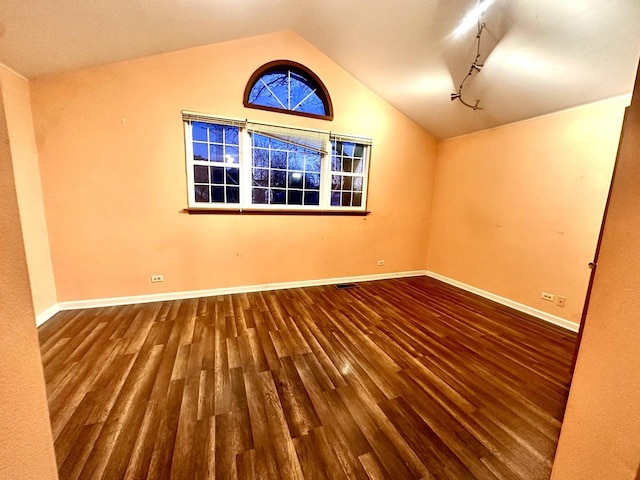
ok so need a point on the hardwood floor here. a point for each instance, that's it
(399, 379)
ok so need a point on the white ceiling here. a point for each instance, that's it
(540, 56)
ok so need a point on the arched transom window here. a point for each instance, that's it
(288, 87)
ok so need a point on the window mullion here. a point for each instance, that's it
(245, 169)
(366, 158)
(288, 89)
(189, 148)
(325, 177)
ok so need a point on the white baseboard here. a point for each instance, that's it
(47, 314)
(161, 297)
(547, 317)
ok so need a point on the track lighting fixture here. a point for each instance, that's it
(475, 66)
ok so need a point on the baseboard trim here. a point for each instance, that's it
(47, 314)
(161, 297)
(547, 317)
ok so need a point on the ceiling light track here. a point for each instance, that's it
(475, 67)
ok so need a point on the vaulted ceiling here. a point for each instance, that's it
(539, 56)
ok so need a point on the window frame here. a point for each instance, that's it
(245, 164)
(300, 69)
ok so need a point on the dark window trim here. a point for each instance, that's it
(263, 211)
(323, 93)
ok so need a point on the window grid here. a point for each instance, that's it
(284, 174)
(288, 87)
(347, 173)
(215, 149)
(277, 171)
(276, 89)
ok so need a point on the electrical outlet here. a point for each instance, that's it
(561, 301)
(157, 278)
(380, 263)
(548, 296)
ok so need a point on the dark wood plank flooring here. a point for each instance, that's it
(398, 379)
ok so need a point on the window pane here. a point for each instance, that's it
(217, 175)
(278, 196)
(260, 177)
(295, 180)
(347, 182)
(312, 198)
(278, 144)
(347, 164)
(233, 195)
(296, 161)
(313, 104)
(231, 135)
(312, 180)
(357, 199)
(260, 196)
(357, 184)
(335, 199)
(346, 199)
(260, 157)
(217, 194)
(348, 148)
(200, 151)
(358, 150)
(200, 174)
(336, 164)
(278, 178)
(233, 176)
(267, 88)
(304, 96)
(312, 163)
(336, 182)
(259, 140)
(199, 131)
(357, 165)
(295, 197)
(278, 159)
(201, 193)
(300, 89)
(278, 84)
(231, 154)
(216, 133)
(216, 153)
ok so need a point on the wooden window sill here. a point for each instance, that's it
(258, 211)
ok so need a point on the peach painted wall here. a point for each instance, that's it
(17, 105)
(111, 150)
(517, 209)
(26, 443)
(600, 436)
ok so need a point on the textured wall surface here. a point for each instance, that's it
(17, 106)
(111, 149)
(517, 209)
(26, 445)
(600, 436)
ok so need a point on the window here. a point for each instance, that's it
(215, 159)
(347, 172)
(288, 87)
(235, 164)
